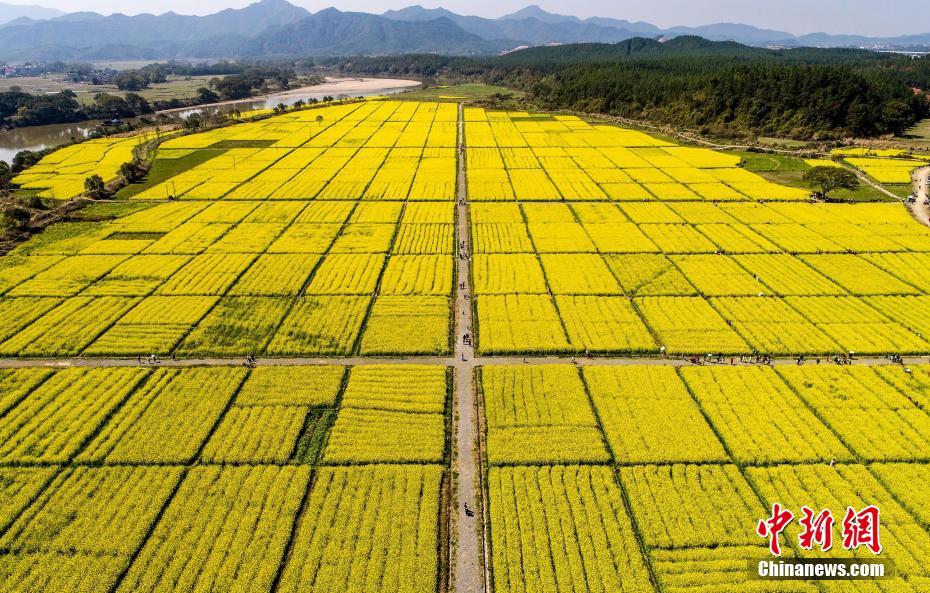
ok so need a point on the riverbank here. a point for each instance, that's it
(334, 87)
(37, 138)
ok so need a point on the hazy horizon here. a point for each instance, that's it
(857, 17)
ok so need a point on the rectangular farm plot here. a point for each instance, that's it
(276, 275)
(539, 415)
(211, 274)
(856, 326)
(15, 269)
(560, 237)
(247, 237)
(407, 325)
(18, 313)
(649, 275)
(501, 238)
(345, 274)
(788, 275)
(686, 325)
(677, 238)
(418, 275)
(769, 325)
(199, 543)
(236, 326)
(578, 274)
(291, 386)
(619, 237)
(736, 238)
(403, 388)
(604, 324)
(392, 543)
(94, 510)
(306, 238)
(562, 526)
(904, 481)
(18, 487)
(364, 238)
(415, 239)
(681, 570)
(68, 328)
(760, 419)
(519, 323)
(191, 238)
(850, 398)
(256, 434)
(508, 274)
(168, 418)
(908, 267)
(137, 276)
(648, 416)
(52, 423)
(15, 384)
(718, 275)
(857, 275)
(320, 325)
(384, 436)
(688, 506)
(69, 276)
(155, 325)
(913, 381)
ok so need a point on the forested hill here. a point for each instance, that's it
(722, 87)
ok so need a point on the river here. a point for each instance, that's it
(42, 137)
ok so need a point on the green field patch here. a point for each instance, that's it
(164, 169)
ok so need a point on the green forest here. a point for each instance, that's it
(722, 88)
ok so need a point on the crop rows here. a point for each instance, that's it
(281, 288)
(513, 156)
(376, 150)
(609, 278)
(214, 479)
(696, 457)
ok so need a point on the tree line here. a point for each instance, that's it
(718, 87)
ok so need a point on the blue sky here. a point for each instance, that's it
(866, 17)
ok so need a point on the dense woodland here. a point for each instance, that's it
(719, 87)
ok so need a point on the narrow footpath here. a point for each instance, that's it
(921, 209)
(466, 511)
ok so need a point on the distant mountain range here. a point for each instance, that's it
(11, 12)
(277, 28)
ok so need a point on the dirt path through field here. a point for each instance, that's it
(12, 363)
(467, 510)
(920, 209)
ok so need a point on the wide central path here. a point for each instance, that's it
(467, 510)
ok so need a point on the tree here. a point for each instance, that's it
(130, 171)
(131, 81)
(831, 178)
(6, 175)
(95, 187)
(205, 95)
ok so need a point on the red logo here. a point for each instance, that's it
(773, 526)
(860, 529)
(817, 529)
